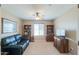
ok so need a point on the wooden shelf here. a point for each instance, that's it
(50, 33)
(27, 33)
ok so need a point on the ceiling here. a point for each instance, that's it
(47, 11)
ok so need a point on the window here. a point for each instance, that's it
(38, 29)
(8, 26)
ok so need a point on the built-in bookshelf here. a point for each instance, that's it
(27, 33)
(50, 33)
(27, 30)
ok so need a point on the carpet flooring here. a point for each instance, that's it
(41, 47)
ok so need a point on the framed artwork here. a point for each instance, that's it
(8, 26)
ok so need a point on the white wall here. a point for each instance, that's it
(78, 30)
(78, 26)
(0, 22)
(25, 22)
(0, 30)
(69, 22)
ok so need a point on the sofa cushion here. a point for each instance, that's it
(8, 40)
(13, 43)
(23, 43)
(18, 37)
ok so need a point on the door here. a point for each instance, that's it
(39, 31)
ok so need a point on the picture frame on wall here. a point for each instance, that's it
(8, 26)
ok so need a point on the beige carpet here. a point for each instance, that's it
(41, 47)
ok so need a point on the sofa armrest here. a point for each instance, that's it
(14, 49)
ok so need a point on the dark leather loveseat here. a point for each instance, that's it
(14, 45)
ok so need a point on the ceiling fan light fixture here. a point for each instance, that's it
(37, 18)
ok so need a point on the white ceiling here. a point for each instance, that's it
(47, 11)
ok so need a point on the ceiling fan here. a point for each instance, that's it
(38, 16)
